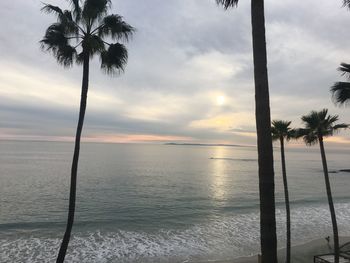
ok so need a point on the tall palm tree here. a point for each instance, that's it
(268, 237)
(78, 35)
(281, 131)
(341, 90)
(317, 126)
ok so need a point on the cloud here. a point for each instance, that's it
(183, 56)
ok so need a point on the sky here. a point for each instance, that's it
(189, 77)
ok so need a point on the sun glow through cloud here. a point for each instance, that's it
(220, 100)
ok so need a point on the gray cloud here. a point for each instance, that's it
(184, 54)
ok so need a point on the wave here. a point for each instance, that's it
(218, 238)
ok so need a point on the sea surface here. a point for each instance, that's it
(157, 203)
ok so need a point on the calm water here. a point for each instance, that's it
(156, 203)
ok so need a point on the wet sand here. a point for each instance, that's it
(300, 254)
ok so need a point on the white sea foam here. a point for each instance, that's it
(223, 238)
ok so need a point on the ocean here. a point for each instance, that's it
(157, 203)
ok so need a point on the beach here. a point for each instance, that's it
(303, 253)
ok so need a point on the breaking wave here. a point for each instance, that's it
(221, 238)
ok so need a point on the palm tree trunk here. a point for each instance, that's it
(268, 237)
(73, 184)
(330, 201)
(286, 198)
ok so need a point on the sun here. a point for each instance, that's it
(220, 100)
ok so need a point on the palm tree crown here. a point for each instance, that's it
(341, 90)
(346, 3)
(83, 30)
(228, 3)
(280, 129)
(319, 124)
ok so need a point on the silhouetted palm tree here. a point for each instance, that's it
(317, 126)
(281, 131)
(77, 36)
(341, 90)
(346, 3)
(263, 124)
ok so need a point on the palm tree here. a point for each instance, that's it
(268, 237)
(281, 131)
(341, 90)
(78, 35)
(317, 126)
(346, 3)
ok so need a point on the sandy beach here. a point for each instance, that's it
(303, 253)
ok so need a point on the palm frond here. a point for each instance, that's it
(327, 132)
(227, 3)
(76, 9)
(80, 58)
(54, 37)
(65, 55)
(346, 3)
(292, 134)
(93, 45)
(344, 69)
(114, 59)
(301, 132)
(340, 126)
(49, 9)
(322, 115)
(274, 133)
(341, 93)
(94, 9)
(56, 41)
(71, 27)
(331, 119)
(64, 17)
(310, 139)
(311, 120)
(114, 26)
(67, 16)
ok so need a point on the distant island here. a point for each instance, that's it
(206, 144)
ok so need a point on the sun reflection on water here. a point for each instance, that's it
(219, 173)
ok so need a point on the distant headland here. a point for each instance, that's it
(206, 144)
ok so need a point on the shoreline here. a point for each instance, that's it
(302, 253)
